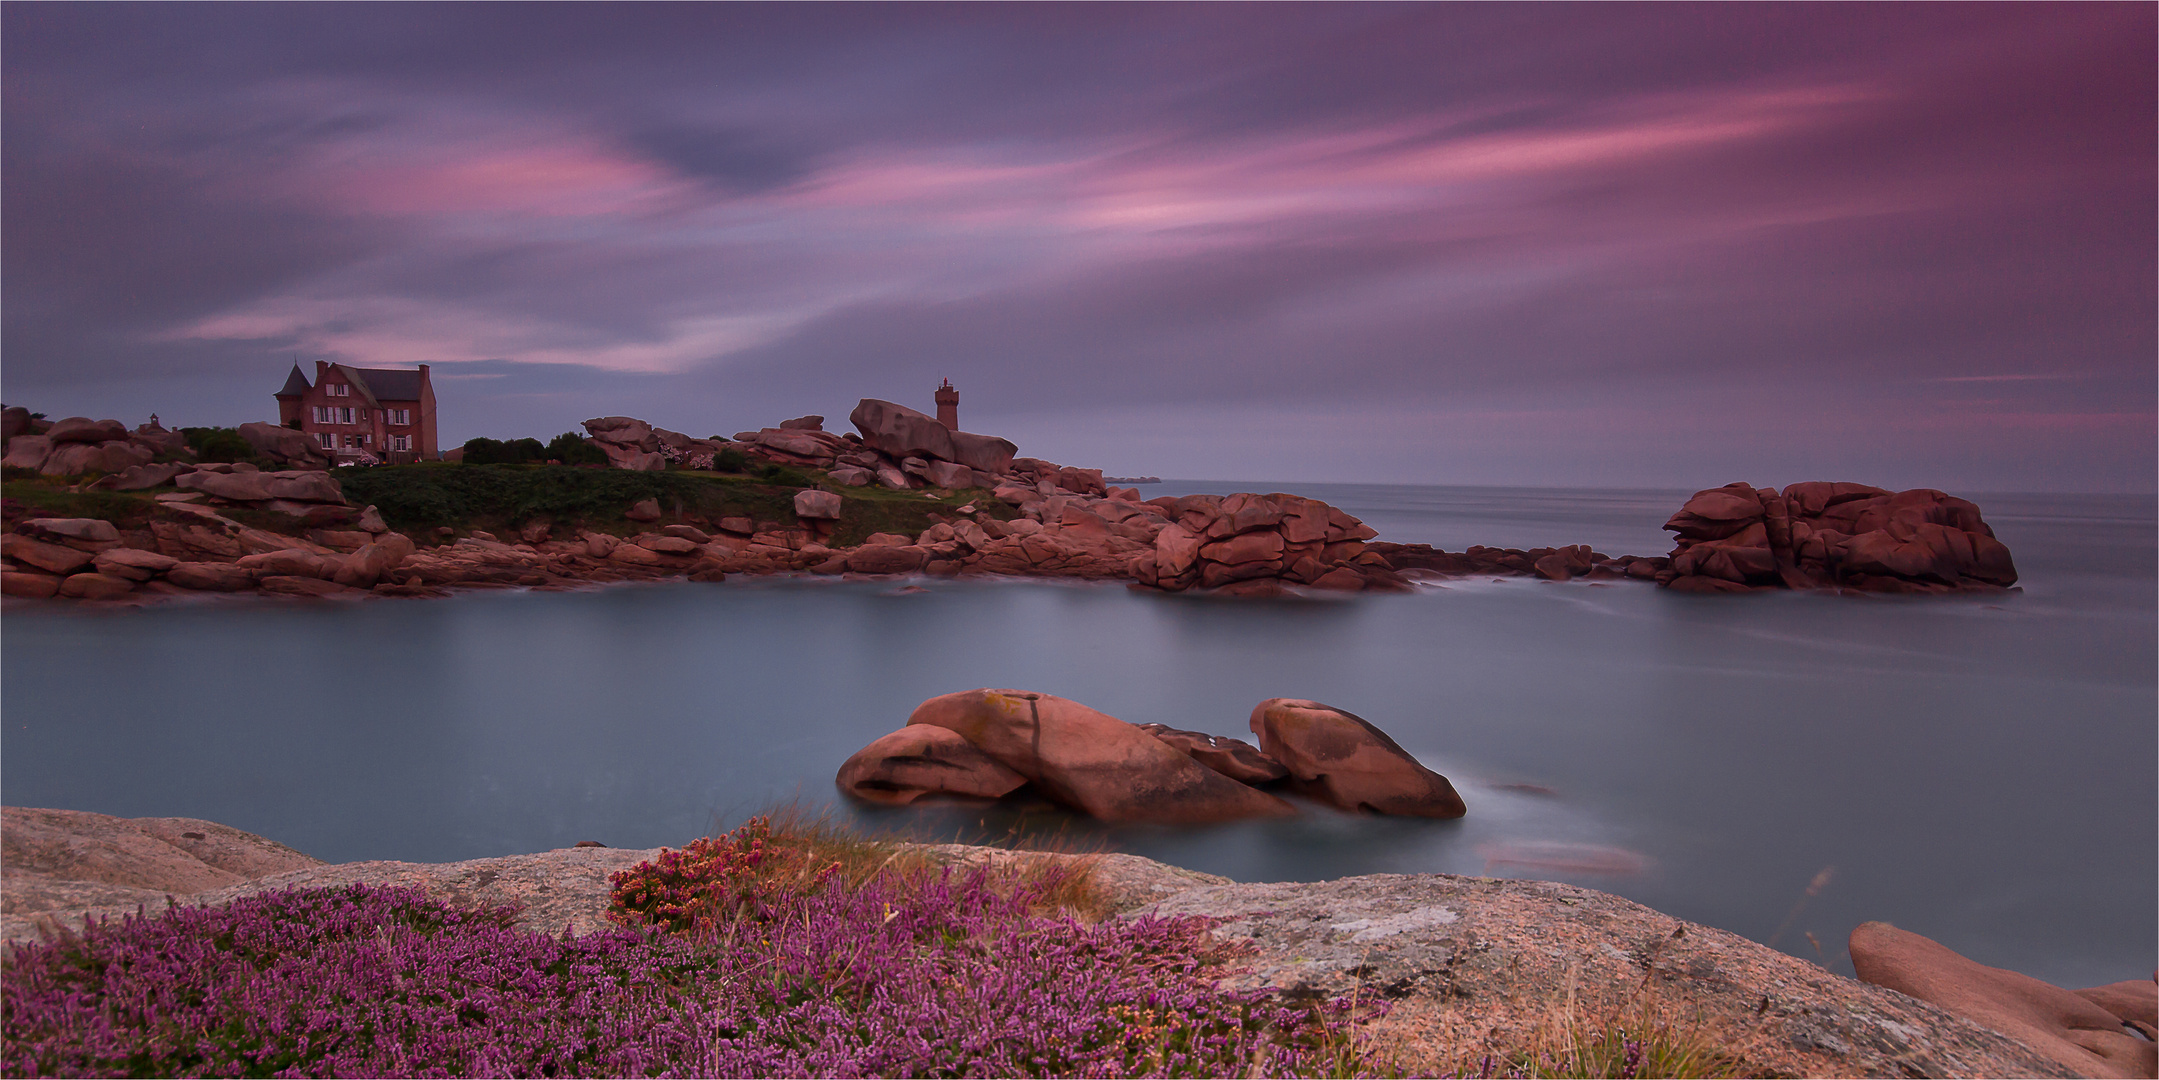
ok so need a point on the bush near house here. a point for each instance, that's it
(568, 448)
(218, 444)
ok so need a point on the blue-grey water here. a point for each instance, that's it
(1980, 770)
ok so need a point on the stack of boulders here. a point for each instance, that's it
(145, 457)
(1070, 523)
(897, 448)
(987, 745)
(92, 559)
(310, 494)
(1833, 535)
(289, 447)
(1255, 544)
(632, 444)
(79, 445)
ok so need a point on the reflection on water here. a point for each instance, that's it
(1979, 770)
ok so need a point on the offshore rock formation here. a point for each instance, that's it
(1824, 535)
(986, 744)
(1470, 966)
(1253, 545)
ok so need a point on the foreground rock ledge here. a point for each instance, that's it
(1470, 965)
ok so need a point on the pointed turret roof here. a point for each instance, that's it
(295, 384)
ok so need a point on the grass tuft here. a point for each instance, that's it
(1640, 1038)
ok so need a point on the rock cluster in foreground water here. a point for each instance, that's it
(984, 745)
(1470, 966)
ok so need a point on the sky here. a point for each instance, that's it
(1549, 245)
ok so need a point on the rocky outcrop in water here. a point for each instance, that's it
(1254, 545)
(1095, 764)
(1824, 535)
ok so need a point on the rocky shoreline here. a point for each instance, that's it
(1466, 965)
(988, 511)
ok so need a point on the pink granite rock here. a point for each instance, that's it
(1341, 759)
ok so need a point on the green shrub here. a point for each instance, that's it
(570, 448)
(515, 452)
(218, 444)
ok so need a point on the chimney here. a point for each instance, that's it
(948, 406)
(322, 368)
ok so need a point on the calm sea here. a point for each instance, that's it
(1979, 770)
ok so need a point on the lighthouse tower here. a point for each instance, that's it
(948, 406)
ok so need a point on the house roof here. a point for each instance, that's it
(384, 384)
(295, 384)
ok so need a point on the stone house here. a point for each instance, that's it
(363, 414)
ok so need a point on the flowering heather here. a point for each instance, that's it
(906, 972)
(356, 981)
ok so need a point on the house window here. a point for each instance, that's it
(344, 415)
(363, 416)
(337, 390)
(397, 416)
(328, 441)
(320, 418)
(400, 442)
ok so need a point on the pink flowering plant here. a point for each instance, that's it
(743, 956)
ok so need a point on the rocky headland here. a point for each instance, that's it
(98, 512)
(1467, 966)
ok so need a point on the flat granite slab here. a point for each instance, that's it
(1475, 965)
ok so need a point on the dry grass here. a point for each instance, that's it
(1639, 1036)
(1050, 868)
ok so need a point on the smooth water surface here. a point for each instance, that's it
(1979, 770)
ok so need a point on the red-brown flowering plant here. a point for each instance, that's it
(717, 879)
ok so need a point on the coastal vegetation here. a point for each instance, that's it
(568, 448)
(764, 952)
(421, 499)
(418, 499)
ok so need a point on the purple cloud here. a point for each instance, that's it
(1602, 231)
